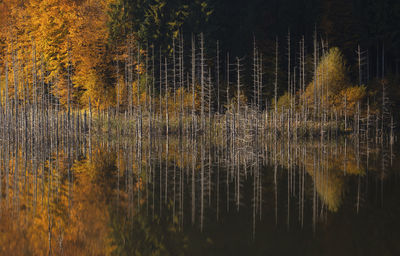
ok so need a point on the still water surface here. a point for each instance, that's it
(179, 196)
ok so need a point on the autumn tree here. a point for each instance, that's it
(91, 57)
(65, 43)
(333, 86)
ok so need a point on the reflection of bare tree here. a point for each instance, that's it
(66, 197)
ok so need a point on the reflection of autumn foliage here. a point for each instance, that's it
(72, 210)
(331, 169)
(99, 204)
(145, 235)
(88, 233)
(330, 182)
(21, 236)
(76, 215)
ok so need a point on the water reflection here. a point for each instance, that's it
(177, 194)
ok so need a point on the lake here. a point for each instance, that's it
(76, 194)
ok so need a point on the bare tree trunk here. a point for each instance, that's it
(202, 80)
(217, 82)
(276, 87)
(193, 86)
(166, 96)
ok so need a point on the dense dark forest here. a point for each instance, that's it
(374, 25)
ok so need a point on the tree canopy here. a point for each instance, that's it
(76, 47)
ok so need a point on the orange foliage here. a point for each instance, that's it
(65, 38)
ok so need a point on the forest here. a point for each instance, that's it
(78, 51)
(199, 127)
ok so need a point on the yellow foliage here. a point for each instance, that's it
(89, 54)
(331, 85)
(353, 95)
(184, 97)
(234, 102)
(66, 39)
(283, 102)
